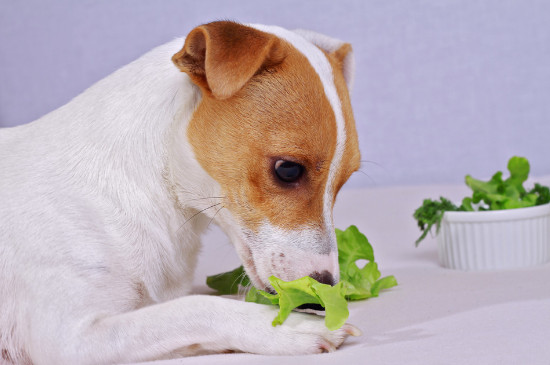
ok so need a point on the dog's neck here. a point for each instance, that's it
(129, 126)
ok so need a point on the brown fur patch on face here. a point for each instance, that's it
(281, 113)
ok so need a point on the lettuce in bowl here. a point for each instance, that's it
(495, 194)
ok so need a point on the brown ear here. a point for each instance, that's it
(221, 57)
(342, 52)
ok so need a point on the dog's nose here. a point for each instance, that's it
(323, 277)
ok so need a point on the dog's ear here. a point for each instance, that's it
(221, 57)
(344, 55)
(341, 51)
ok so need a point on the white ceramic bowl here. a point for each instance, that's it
(495, 240)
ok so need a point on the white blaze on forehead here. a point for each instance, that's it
(321, 65)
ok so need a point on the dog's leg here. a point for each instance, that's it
(192, 323)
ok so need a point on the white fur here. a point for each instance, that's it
(330, 44)
(97, 244)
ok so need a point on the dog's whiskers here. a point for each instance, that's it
(197, 194)
(196, 214)
(208, 197)
(243, 289)
(214, 216)
(372, 162)
(367, 175)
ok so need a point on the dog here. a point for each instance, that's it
(103, 200)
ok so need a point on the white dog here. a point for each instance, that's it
(102, 201)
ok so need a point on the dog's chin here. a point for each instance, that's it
(245, 254)
(250, 269)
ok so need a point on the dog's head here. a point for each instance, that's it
(276, 131)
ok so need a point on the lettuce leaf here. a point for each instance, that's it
(500, 194)
(292, 294)
(431, 213)
(543, 194)
(355, 283)
(359, 283)
(495, 194)
(228, 282)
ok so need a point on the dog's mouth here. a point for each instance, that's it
(249, 265)
(251, 271)
(308, 307)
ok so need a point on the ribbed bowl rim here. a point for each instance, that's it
(498, 215)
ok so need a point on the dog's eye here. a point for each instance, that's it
(288, 171)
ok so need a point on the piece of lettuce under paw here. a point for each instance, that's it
(356, 283)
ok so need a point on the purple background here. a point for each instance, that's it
(443, 88)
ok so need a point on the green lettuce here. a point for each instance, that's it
(228, 282)
(292, 294)
(431, 213)
(359, 283)
(355, 283)
(495, 194)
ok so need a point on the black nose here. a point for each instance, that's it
(323, 277)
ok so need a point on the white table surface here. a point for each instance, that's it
(435, 315)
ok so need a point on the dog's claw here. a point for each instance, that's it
(352, 330)
(326, 346)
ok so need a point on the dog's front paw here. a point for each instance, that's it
(310, 335)
(301, 333)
